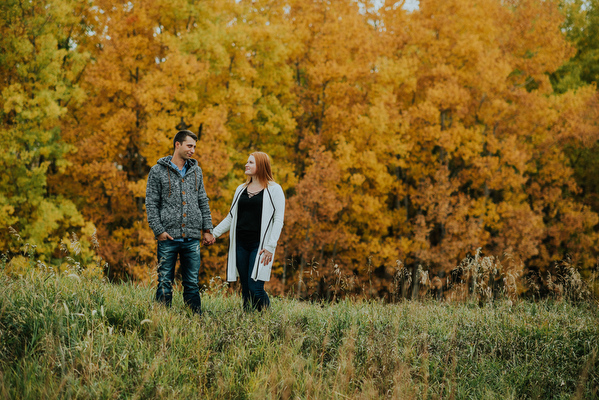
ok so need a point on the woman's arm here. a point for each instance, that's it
(225, 224)
(278, 198)
(223, 227)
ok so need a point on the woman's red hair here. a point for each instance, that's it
(263, 169)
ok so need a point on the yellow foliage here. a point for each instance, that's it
(417, 135)
(18, 265)
(93, 271)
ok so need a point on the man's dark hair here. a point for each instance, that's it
(182, 135)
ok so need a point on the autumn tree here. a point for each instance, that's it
(420, 136)
(40, 74)
(154, 65)
(486, 165)
(445, 133)
(581, 73)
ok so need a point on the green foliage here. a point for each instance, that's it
(582, 29)
(40, 69)
(581, 72)
(68, 336)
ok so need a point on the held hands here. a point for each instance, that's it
(267, 258)
(208, 239)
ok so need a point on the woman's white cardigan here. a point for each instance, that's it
(273, 212)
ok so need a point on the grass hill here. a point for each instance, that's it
(65, 336)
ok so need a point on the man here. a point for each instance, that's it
(178, 213)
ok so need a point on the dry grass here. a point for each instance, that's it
(66, 335)
(66, 332)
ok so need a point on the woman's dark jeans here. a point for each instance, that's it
(252, 292)
(189, 254)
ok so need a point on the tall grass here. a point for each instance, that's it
(68, 336)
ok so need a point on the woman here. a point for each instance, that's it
(255, 221)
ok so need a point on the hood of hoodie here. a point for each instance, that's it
(166, 161)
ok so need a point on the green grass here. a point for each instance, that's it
(70, 337)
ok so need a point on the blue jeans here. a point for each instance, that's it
(252, 292)
(189, 255)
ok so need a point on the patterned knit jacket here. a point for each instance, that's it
(177, 205)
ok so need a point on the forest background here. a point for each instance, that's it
(402, 138)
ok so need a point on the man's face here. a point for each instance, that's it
(186, 149)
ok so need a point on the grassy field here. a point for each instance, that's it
(72, 337)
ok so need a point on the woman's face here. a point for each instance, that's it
(250, 166)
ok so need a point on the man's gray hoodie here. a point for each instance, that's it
(177, 205)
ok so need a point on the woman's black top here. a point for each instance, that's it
(249, 217)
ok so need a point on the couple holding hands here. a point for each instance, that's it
(179, 214)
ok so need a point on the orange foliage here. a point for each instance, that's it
(419, 136)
